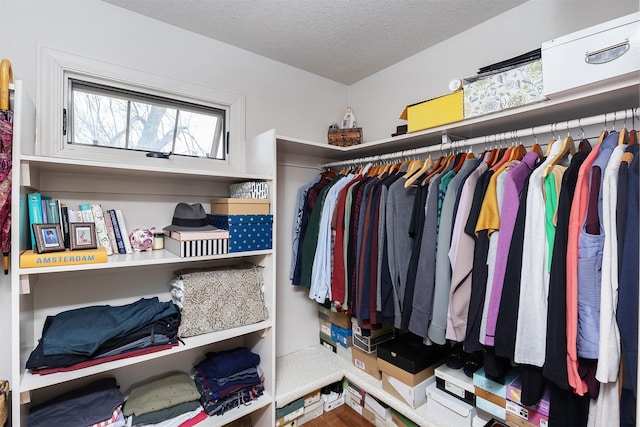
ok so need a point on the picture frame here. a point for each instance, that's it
(48, 237)
(82, 236)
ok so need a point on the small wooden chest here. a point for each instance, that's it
(345, 137)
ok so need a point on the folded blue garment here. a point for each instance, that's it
(83, 330)
(226, 363)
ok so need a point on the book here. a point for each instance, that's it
(34, 202)
(86, 215)
(200, 235)
(74, 216)
(101, 228)
(194, 248)
(116, 231)
(43, 207)
(123, 231)
(111, 233)
(53, 210)
(64, 222)
(29, 258)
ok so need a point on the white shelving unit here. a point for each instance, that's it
(295, 378)
(147, 195)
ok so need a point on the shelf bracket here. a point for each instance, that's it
(25, 283)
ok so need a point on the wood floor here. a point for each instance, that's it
(342, 416)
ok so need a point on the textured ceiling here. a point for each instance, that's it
(342, 40)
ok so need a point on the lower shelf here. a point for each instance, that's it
(311, 368)
(237, 413)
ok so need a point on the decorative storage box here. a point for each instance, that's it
(604, 53)
(249, 190)
(231, 206)
(246, 232)
(345, 137)
(505, 89)
(434, 112)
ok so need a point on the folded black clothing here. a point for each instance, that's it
(512, 62)
(167, 326)
(82, 407)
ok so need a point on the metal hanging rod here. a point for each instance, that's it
(447, 144)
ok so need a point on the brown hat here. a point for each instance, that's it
(188, 217)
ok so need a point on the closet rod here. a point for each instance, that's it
(553, 128)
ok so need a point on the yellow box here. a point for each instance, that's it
(434, 112)
(227, 206)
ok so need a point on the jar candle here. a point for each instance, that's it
(158, 241)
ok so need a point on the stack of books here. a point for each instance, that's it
(111, 230)
(197, 243)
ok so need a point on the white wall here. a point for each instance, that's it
(278, 96)
(378, 100)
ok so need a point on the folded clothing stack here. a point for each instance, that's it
(229, 379)
(170, 401)
(91, 335)
(98, 403)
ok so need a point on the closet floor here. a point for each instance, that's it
(342, 416)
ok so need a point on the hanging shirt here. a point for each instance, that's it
(534, 281)
(298, 213)
(511, 198)
(461, 259)
(590, 244)
(438, 324)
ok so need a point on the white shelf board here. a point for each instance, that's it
(311, 368)
(614, 96)
(139, 259)
(66, 165)
(236, 413)
(31, 381)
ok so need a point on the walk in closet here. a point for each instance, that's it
(282, 141)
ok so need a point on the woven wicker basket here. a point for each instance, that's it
(4, 401)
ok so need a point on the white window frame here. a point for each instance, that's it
(56, 66)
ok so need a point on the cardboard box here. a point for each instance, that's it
(344, 352)
(330, 406)
(311, 412)
(516, 421)
(328, 343)
(413, 396)
(341, 319)
(449, 409)
(523, 413)
(353, 402)
(410, 354)
(497, 411)
(312, 398)
(481, 381)
(456, 383)
(591, 57)
(434, 112)
(289, 412)
(282, 423)
(496, 400)
(400, 420)
(404, 376)
(367, 362)
(514, 392)
(246, 232)
(381, 422)
(341, 335)
(502, 90)
(233, 206)
(379, 408)
(370, 343)
(368, 414)
(325, 327)
(369, 333)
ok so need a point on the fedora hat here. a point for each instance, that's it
(188, 217)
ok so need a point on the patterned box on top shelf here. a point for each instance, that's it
(503, 90)
(246, 232)
(249, 190)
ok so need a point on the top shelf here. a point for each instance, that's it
(618, 95)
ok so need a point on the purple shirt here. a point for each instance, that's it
(511, 200)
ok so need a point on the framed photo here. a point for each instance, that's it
(48, 238)
(83, 235)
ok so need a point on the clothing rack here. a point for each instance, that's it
(449, 145)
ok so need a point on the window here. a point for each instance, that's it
(111, 117)
(94, 110)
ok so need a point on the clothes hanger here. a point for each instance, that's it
(536, 147)
(413, 167)
(568, 147)
(439, 167)
(623, 137)
(550, 144)
(428, 163)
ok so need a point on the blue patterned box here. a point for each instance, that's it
(246, 232)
